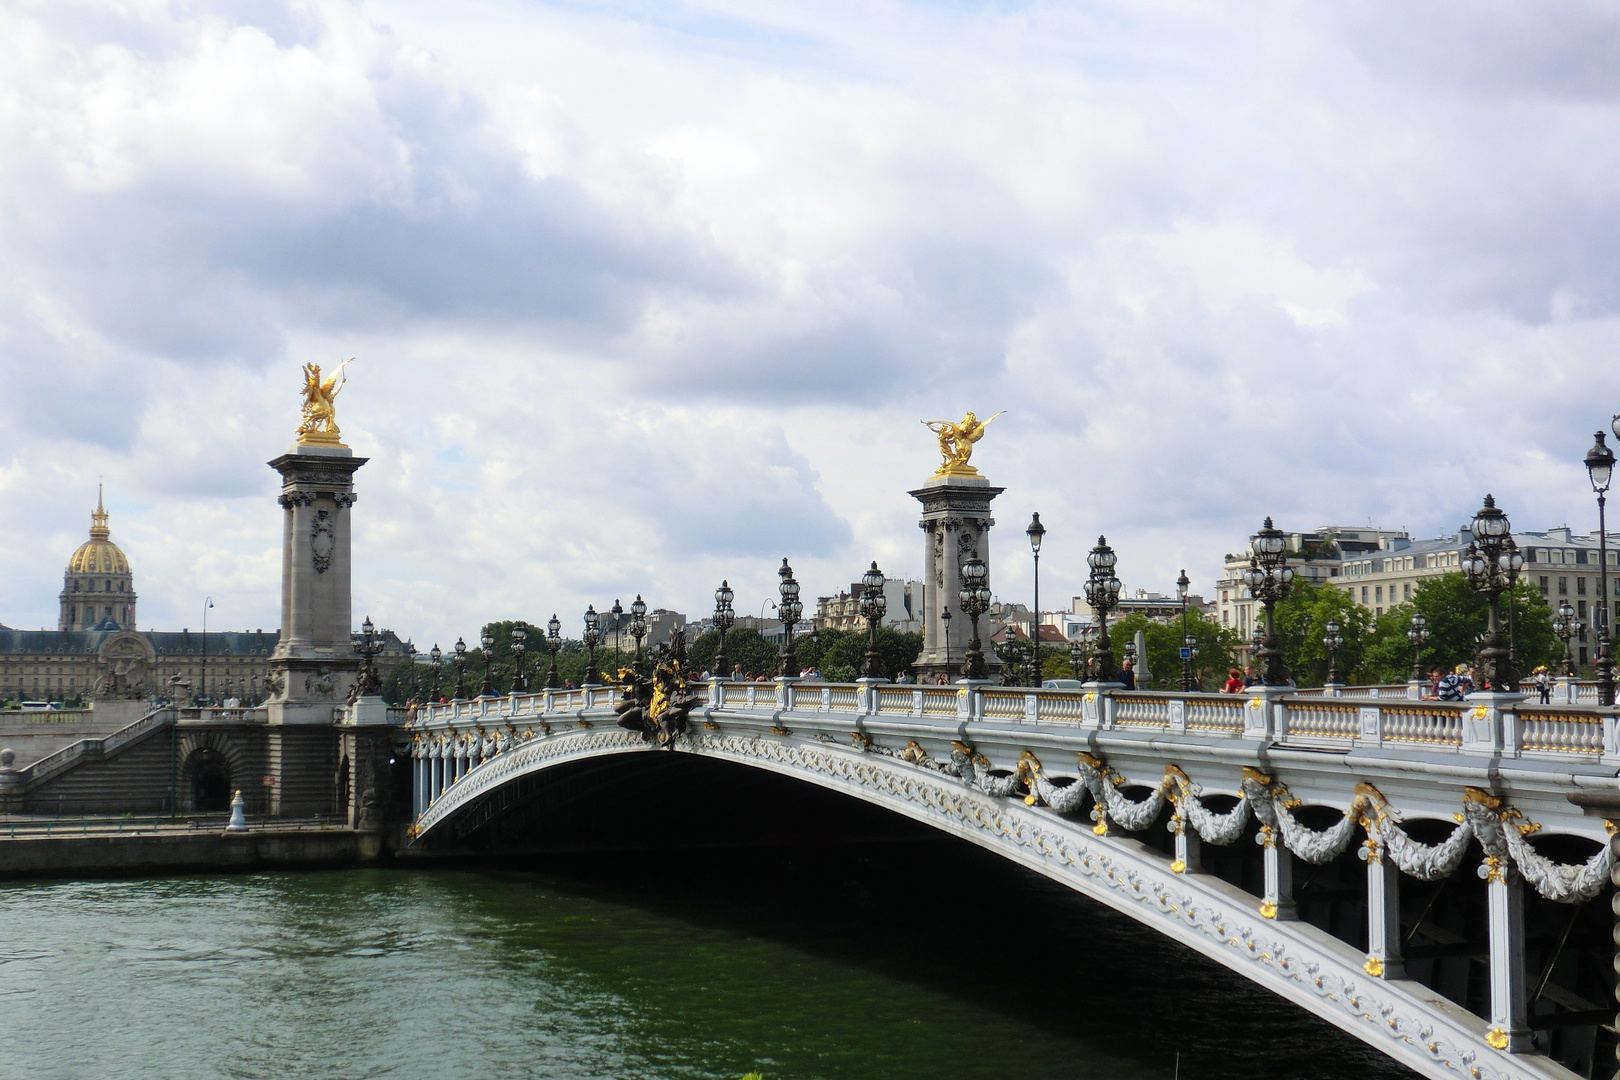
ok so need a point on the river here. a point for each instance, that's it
(883, 960)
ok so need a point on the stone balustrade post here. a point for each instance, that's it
(1372, 726)
(1414, 689)
(1482, 726)
(1264, 715)
(1178, 714)
(1032, 708)
(1564, 690)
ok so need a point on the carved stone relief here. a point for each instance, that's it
(322, 540)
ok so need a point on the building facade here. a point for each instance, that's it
(96, 652)
(903, 605)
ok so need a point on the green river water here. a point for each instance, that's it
(906, 961)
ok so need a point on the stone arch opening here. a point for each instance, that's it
(208, 781)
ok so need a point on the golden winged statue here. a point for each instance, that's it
(319, 427)
(956, 443)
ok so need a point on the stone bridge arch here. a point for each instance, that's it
(210, 761)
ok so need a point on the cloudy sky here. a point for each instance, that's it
(647, 293)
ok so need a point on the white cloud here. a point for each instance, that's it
(647, 295)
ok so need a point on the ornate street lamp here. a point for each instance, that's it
(1036, 532)
(873, 605)
(1332, 642)
(1077, 657)
(618, 634)
(725, 617)
(553, 643)
(1600, 469)
(1418, 635)
(1188, 645)
(487, 647)
(945, 614)
(638, 625)
(1102, 593)
(1566, 626)
(461, 666)
(974, 598)
(369, 648)
(789, 611)
(1268, 578)
(593, 638)
(438, 689)
(1492, 564)
(520, 634)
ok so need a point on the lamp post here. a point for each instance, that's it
(1332, 642)
(1102, 593)
(202, 683)
(1566, 626)
(1036, 532)
(1418, 635)
(788, 611)
(553, 643)
(724, 618)
(1492, 563)
(435, 655)
(460, 660)
(369, 648)
(1600, 469)
(1188, 684)
(974, 598)
(1077, 657)
(873, 605)
(1268, 578)
(487, 647)
(618, 634)
(593, 638)
(638, 626)
(945, 615)
(520, 634)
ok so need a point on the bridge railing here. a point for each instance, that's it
(1488, 724)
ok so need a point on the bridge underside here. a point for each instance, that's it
(566, 792)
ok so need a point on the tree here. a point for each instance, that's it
(1457, 616)
(1215, 645)
(746, 648)
(1302, 618)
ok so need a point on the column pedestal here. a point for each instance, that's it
(956, 525)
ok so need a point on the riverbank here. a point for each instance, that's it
(183, 847)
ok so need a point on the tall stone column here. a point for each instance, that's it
(956, 525)
(314, 662)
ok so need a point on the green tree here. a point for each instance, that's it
(747, 648)
(1215, 645)
(1457, 617)
(1302, 618)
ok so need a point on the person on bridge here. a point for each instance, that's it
(1544, 684)
(1127, 676)
(1456, 686)
(1234, 682)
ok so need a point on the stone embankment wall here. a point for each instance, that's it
(214, 849)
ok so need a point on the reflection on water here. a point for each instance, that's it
(893, 960)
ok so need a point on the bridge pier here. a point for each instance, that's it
(1383, 918)
(1278, 901)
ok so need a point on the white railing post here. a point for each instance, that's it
(1109, 709)
(1372, 725)
(1261, 714)
(1611, 741)
(1278, 902)
(1091, 709)
(1178, 715)
(1564, 690)
(1511, 729)
(1414, 690)
(1032, 708)
(1482, 727)
(1505, 906)
(916, 703)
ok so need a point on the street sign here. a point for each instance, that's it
(1186, 653)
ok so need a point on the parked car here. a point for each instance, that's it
(1061, 684)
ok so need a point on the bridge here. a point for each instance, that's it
(1415, 872)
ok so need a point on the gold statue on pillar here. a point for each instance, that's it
(319, 427)
(956, 443)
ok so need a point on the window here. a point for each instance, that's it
(1563, 586)
(1583, 653)
(1364, 594)
(1378, 594)
(1542, 581)
(1406, 591)
(1580, 586)
(1380, 611)
(1580, 608)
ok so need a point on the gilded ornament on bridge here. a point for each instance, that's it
(956, 443)
(319, 426)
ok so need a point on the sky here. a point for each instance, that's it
(645, 294)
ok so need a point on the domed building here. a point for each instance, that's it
(98, 589)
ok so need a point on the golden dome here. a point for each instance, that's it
(98, 555)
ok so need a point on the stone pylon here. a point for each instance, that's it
(956, 524)
(314, 663)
